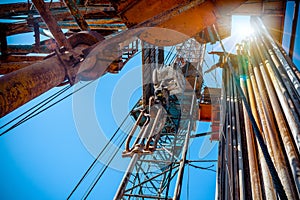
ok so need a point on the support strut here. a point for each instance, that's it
(52, 24)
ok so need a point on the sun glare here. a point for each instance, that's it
(241, 26)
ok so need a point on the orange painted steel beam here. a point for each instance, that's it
(186, 17)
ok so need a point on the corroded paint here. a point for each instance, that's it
(23, 85)
(77, 15)
(6, 68)
(186, 17)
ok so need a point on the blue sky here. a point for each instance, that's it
(44, 158)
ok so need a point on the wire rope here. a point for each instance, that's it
(43, 102)
(204, 168)
(169, 54)
(103, 170)
(102, 152)
(44, 109)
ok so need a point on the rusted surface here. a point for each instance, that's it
(165, 15)
(209, 107)
(190, 22)
(205, 112)
(183, 19)
(109, 24)
(93, 21)
(251, 142)
(51, 24)
(18, 58)
(269, 100)
(21, 86)
(224, 7)
(13, 8)
(187, 17)
(90, 12)
(25, 49)
(8, 67)
(181, 16)
(260, 118)
(3, 43)
(16, 28)
(129, 9)
(77, 15)
(62, 13)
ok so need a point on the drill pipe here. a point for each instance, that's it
(289, 60)
(256, 108)
(256, 21)
(283, 76)
(290, 149)
(252, 156)
(221, 153)
(286, 101)
(271, 106)
(229, 132)
(240, 148)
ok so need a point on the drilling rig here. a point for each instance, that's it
(254, 116)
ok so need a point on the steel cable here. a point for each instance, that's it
(31, 115)
(44, 102)
(100, 154)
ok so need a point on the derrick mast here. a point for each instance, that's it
(158, 154)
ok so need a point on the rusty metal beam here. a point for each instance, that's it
(91, 12)
(51, 24)
(25, 49)
(3, 43)
(15, 28)
(101, 24)
(13, 8)
(77, 15)
(21, 58)
(21, 86)
(8, 67)
(36, 29)
(62, 13)
(168, 14)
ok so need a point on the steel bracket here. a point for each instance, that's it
(69, 61)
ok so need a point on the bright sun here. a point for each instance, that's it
(241, 26)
